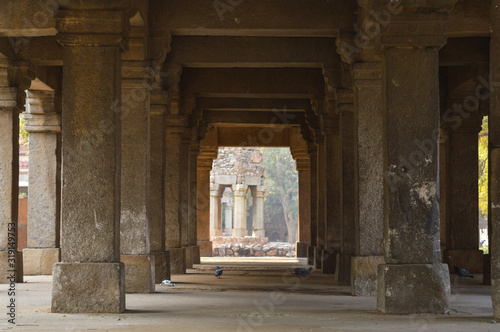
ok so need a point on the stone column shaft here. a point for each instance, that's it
(193, 202)
(172, 194)
(321, 199)
(494, 157)
(228, 219)
(304, 208)
(311, 250)
(215, 210)
(240, 209)
(258, 212)
(369, 178)
(44, 127)
(9, 177)
(91, 136)
(203, 204)
(135, 179)
(184, 197)
(411, 115)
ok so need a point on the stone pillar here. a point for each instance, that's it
(185, 152)
(158, 108)
(413, 268)
(311, 250)
(369, 178)
(303, 165)
(203, 204)
(43, 125)
(462, 196)
(215, 210)
(172, 192)
(9, 180)
(228, 218)
(90, 277)
(135, 181)
(494, 157)
(240, 209)
(321, 200)
(258, 212)
(193, 202)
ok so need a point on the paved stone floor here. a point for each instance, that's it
(250, 296)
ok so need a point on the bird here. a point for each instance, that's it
(300, 271)
(462, 272)
(218, 272)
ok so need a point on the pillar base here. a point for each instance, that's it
(205, 248)
(88, 288)
(413, 289)
(177, 260)
(162, 266)
(239, 232)
(329, 260)
(6, 267)
(39, 261)
(364, 274)
(301, 248)
(343, 269)
(139, 273)
(471, 260)
(196, 254)
(259, 233)
(189, 256)
(311, 255)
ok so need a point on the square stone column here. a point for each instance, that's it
(240, 209)
(90, 277)
(321, 199)
(193, 201)
(215, 209)
(413, 268)
(462, 194)
(304, 207)
(157, 141)
(258, 211)
(228, 218)
(494, 156)
(43, 125)
(173, 218)
(9, 178)
(369, 178)
(135, 178)
(185, 186)
(311, 250)
(203, 201)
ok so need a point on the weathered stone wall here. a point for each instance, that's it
(250, 247)
(240, 163)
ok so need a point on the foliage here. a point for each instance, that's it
(483, 170)
(23, 134)
(282, 188)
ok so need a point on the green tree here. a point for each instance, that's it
(23, 134)
(282, 188)
(483, 170)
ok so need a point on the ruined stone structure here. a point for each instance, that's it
(129, 100)
(239, 169)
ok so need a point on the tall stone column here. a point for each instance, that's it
(135, 181)
(462, 195)
(43, 125)
(90, 276)
(321, 200)
(369, 178)
(193, 202)
(304, 238)
(494, 157)
(413, 268)
(313, 155)
(215, 210)
(258, 211)
(228, 218)
(203, 204)
(157, 123)
(240, 209)
(9, 178)
(185, 185)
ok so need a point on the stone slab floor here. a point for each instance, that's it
(250, 296)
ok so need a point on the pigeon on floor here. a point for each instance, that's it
(462, 272)
(218, 272)
(300, 271)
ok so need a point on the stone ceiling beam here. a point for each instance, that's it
(260, 104)
(224, 52)
(253, 118)
(464, 51)
(253, 82)
(254, 18)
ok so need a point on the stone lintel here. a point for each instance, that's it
(39, 261)
(177, 260)
(364, 274)
(162, 266)
(139, 273)
(88, 288)
(413, 289)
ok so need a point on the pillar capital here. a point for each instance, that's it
(159, 102)
(137, 74)
(239, 189)
(90, 27)
(367, 74)
(8, 98)
(259, 191)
